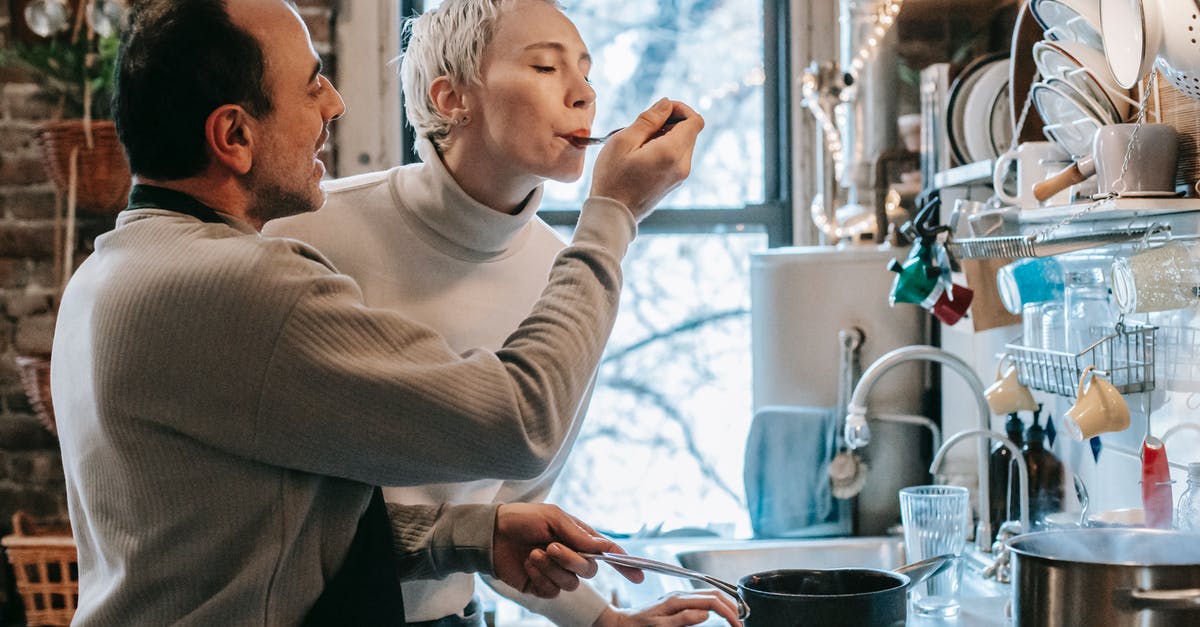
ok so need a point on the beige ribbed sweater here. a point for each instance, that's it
(225, 402)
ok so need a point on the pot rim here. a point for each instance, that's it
(901, 580)
(1015, 546)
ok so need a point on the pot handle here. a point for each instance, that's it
(1139, 599)
(644, 563)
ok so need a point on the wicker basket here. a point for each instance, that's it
(46, 570)
(1171, 106)
(103, 171)
(35, 377)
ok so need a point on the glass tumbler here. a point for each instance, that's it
(936, 520)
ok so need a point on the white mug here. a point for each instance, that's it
(1035, 162)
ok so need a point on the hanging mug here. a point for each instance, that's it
(1099, 408)
(1008, 395)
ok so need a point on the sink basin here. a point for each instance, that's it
(732, 560)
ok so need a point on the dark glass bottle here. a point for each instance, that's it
(1002, 482)
(1045, 474)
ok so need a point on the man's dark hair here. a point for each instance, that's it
(179, 60)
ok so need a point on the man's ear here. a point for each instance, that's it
(229, 131)
(448, 99)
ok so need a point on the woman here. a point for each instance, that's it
(497, 91)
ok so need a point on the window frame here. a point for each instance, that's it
(774, 215)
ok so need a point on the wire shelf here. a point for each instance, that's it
(1125, 358)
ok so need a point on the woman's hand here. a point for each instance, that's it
(675, 609)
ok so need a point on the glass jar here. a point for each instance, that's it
(1090, 316)
(1187, 514)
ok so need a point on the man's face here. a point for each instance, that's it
(534, 94)
(285, 177)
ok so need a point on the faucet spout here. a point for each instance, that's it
(858, 435)
(1022, 474)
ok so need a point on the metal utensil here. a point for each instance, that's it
(596, 141)
(678, 571)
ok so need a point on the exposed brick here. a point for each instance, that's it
(26, 101)
(30, 203)
(27, 240)
(21, 304)
(35, 502)
(6, 335)
(16, 136)
(13, 273)
(22, 169)
(42, 272)
(320, 24)
(16, 402)
(35, 468)
(35, 334)
(24, 433)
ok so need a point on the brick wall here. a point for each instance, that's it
(31, 477)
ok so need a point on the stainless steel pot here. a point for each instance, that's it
(1106, 577)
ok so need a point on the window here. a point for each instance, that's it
(663, 441)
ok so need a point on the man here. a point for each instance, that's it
(495, 91)
(226, 401)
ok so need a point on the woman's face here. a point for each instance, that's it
(534, 96)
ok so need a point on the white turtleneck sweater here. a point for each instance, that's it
(416, 243)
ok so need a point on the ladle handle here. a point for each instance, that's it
(643, 563)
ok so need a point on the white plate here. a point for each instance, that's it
(1068, 122)
(1001, 114)
(1131, 32)
(956, 104)
(977, 115)
(1101, 110)
(1086, 69)
(1070, 20)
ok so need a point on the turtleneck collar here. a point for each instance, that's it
(441, 205)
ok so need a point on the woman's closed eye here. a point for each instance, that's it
(545, 69)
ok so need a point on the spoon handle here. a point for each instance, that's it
(643, 563)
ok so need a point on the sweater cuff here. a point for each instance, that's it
(607, 223)
(462, 539)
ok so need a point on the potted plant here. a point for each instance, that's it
(71, 50)
(69, 47)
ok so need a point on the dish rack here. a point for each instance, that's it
(1125, 358)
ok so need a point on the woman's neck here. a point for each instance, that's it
(486, 180)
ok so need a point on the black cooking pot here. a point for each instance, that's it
(849, 597)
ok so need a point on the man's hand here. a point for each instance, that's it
(534, 549)
(638, 165)
(674, 610)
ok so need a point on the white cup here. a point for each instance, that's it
(1035, 161)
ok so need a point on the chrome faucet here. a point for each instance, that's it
(982, 539)
(858, 434)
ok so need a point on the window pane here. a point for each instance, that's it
(705, 53)
(664, 436)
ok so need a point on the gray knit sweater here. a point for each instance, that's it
(225, 403)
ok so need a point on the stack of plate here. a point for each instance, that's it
(978, 123)
(1077, 93)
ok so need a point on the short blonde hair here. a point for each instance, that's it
(446, 41)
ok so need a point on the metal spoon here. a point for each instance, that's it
(643, 563)
(596, 141)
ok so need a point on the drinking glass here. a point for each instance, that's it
(936, 519)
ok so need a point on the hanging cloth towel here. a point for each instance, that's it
(787, 470)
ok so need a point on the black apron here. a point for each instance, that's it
(366, 590)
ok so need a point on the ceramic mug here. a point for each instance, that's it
(1153, 158)
(1035, 161)
(1099, 408)
(1007, 394)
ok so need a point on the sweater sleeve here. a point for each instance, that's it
(368, 395)
(432, 541)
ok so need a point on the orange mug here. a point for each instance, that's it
(1099, 408)
(1008, 395)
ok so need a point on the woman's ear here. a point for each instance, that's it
(449, 100)
(229, 132)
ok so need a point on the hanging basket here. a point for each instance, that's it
(103, 171)
(35, 378)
